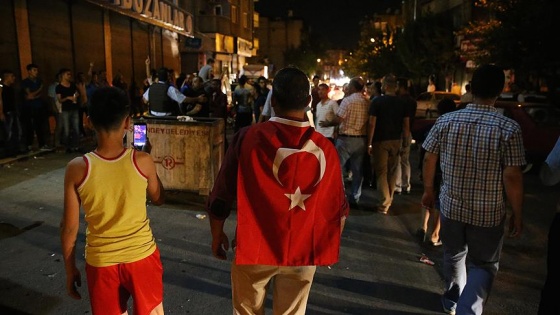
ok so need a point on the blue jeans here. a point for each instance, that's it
(353, 150)
(70, 122)
(473, 248)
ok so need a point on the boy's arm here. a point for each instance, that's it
(70, 224)
(155, 190)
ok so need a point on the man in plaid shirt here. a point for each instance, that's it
(481, 154)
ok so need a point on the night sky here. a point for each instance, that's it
(339, 23)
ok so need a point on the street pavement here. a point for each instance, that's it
(379, 270)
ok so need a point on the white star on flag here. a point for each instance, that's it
(297, 199)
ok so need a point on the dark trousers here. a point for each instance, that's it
(11, 131)
(34, 121)
(548, 303)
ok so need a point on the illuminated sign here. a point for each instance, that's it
(244, 47)
(157, 12)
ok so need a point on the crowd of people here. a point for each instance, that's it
(289, 218)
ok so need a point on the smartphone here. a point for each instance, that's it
(140, 135)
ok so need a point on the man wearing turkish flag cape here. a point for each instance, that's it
(291, 205)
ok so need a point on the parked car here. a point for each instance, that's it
(540, 125)
(426, 102)
(539, 122)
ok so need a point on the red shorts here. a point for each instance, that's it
(110, 287)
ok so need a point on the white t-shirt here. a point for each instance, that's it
(326, 111)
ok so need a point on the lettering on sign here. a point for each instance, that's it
(170, 15)
(168, 162)
(178, 131)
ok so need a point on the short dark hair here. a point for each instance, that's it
(109, 106)
(291, 88)
(31, 66)
(357, 83)
(243, 79)
(5, 72)
(445, 106)
(210, 60)
(487, 81)
(316, 77)
(163, 74)
(325, 86)
(64, 70)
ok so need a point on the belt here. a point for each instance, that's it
(352, 136)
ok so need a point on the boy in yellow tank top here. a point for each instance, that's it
(122, 259)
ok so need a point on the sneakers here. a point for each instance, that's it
(448, 306)
(437, 243)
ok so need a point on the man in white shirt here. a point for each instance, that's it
(325, 110)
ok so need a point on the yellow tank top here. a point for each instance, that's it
(113, 195)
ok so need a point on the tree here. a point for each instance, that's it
(516, 34)
(423, 47)
(426, 46)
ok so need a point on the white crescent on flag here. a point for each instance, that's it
(297, 198)
(310, 147)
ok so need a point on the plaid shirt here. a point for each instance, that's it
(474, 146)
(354, 111)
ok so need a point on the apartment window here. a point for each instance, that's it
(234, 18)
(218, 10)
(245, 20)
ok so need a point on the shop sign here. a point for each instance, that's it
(157, 12)
(244, 47)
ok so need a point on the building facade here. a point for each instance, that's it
(119, 35)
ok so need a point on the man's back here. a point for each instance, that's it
(390, 111)
(300, 170)
(474, 145)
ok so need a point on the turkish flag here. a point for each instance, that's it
(290, 196)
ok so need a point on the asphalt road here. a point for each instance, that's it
(379, 271)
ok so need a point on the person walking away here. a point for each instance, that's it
(68, 95)
(388, 134)
(262, 92)
(242, 101)
(34, 118)
(444, 106)
(122, 258)
(326, 110)
(293, 225)
(9, 120)
(550, 175)
(315, 98)
(351, 119)
(373, 90)
(481, 153)
(402, 185)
